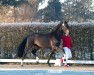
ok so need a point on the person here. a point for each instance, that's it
(66, 46)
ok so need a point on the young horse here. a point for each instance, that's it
(36, 41)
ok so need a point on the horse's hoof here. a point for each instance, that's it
(48, 64)
(37, 62)
(21, 65)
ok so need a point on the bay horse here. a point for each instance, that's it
(35, 41)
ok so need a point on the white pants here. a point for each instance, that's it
(68, 54)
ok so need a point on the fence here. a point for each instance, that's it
(43, 61)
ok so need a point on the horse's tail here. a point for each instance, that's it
(21, 47)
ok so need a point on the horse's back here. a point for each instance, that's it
(42, 40)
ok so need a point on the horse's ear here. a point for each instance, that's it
(66, 23)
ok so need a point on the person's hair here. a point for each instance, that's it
(66, 30)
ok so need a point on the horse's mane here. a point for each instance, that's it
(59, 25)
(57, 33)
(57, 28)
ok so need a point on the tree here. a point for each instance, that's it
(21, 10)
(14, 3)
(52, 12)
(78, 10)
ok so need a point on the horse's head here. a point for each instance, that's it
(64, 25)
(61, 27)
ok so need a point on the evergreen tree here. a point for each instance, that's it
(52, 11)
(14, 3)
(77, 10)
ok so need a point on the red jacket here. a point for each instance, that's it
(67, 41)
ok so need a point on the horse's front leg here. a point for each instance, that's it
(52, 52)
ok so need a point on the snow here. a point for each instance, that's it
(42, 24)
(29, 24)
(83, 24)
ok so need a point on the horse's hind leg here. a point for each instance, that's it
(34, 53)
(28, 47)
(24, 55)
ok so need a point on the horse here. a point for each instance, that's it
(35, 41)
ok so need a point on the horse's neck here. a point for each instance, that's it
(58, 37)
(57, 33)
(58, 28)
